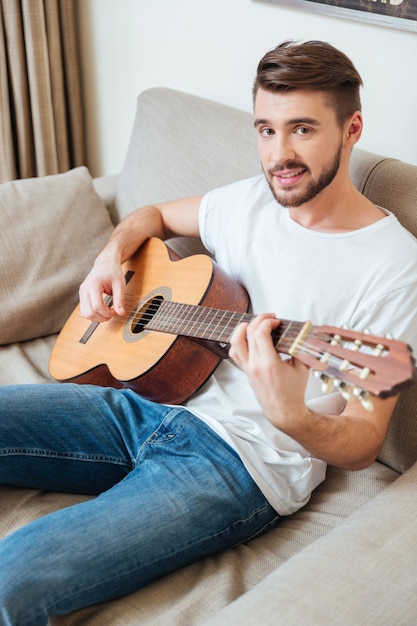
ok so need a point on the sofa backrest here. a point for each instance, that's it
(182, 145)
(393, 184)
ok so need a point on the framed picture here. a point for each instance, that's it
(394, 13)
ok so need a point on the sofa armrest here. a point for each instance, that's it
(106, 187)
(365, 567)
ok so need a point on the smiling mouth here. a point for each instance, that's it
(287, 177)
(291, 173)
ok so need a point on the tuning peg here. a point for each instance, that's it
(365, 399)
(378, 350)
(365, 373)
(325, 358)
(345, 365)
(343, 389)
(327, 385)
(346, 394)
(387, 335)
(326, 381)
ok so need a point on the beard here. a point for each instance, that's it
(289, 198)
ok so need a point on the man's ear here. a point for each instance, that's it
(354, 127)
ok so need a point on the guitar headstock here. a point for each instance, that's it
(356, 363)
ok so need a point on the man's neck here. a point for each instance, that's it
(337, 211)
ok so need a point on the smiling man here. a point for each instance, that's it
(305, 138)
(285, 136)
(254, 441)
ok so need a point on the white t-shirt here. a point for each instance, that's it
(365, 278)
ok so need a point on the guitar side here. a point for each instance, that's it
(159, 366)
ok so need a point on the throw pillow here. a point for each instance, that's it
(51, 229)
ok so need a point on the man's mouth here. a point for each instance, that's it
(288, 177)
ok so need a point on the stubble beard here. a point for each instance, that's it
(290, 199)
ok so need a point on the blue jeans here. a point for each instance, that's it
(169, 491)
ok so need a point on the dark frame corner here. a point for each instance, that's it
(401, 14)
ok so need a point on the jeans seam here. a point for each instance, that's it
(35, 452)
(153, 439)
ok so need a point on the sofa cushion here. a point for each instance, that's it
(26, 361)
(51, 229)
(400, 195)
(362, 572)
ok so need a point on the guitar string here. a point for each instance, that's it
(206, 330)
(290, 336)
(172, 324)
(306, 347)
(193, 312)
(191, 315)
(166, 318)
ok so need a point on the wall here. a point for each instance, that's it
(211, 48)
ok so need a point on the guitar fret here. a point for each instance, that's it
(174, 316)
(191, 320)
(283, 338)
(196, 329)
(235, 319)
(196, 321)
(180, 317)
(214, 334)
(213, 324)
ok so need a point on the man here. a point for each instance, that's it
(179, 483)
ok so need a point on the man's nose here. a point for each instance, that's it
(282, 150)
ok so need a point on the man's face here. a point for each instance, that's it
(300, 144)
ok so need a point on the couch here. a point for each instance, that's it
(348, 557)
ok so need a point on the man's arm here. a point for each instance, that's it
(351, 440)
(106, 277)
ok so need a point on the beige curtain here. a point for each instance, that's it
(41, 128)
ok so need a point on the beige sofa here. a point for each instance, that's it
(348, 557)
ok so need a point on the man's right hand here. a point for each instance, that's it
(106, 278)
(102, 291)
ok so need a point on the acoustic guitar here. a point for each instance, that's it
(180, 317)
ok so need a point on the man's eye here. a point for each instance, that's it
(266, 132)
(303, 130)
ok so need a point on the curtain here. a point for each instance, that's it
(41, 121)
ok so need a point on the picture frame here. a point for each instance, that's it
(400, 14)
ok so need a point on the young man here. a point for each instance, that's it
(306, 245)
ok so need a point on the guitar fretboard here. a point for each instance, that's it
(211, 324)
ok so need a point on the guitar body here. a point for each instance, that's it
(122, 353)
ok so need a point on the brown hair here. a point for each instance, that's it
(312, 65)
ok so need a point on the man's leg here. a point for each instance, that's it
(72, 438)
(186, 495)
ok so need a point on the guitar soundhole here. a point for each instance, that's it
(145, 314)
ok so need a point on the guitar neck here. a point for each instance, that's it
(212, 324)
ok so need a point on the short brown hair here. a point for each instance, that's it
(312, 65)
